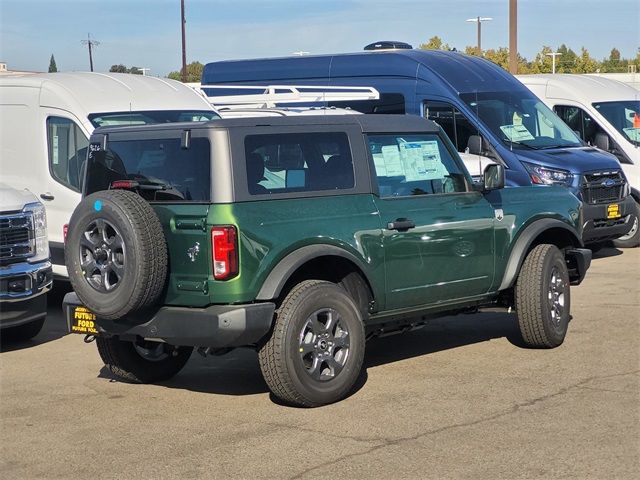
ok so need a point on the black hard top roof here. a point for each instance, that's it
(378, 123)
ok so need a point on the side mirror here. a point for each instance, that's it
(493, 177)
(474, 144)
(602, 141)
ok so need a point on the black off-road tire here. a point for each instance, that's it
(145, 253)
(126, 363)
(542, 286)
(280, 360)
(632, 239)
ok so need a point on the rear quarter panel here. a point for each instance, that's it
(269, 231)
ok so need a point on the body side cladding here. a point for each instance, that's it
(278, 277)
(523, 245)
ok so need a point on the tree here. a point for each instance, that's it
(123, 69)
(434, 43)
(566, 63)
(52, 65)
(585, 63)
(119, 68)
(194, 73)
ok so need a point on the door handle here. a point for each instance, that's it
(46, 196)
(401, 224)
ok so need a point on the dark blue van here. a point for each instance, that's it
(487, 113)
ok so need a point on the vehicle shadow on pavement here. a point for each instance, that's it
(238, 372)
(54, 327)
(444, 334)
(606, 252)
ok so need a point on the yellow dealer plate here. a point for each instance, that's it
(83, 321)
(613, 211)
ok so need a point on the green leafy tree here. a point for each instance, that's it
(566, 63)
(194, 72)
(135, 71)
(52, 65)
(434, 43)
(585, 63)
(119, 68)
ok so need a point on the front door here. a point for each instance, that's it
(438, 234)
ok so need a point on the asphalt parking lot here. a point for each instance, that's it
(458, 399)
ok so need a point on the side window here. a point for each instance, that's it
(473, 148)
(298, 162)
(580, 122)
(414, 164)
(67, 147)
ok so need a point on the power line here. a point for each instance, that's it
(90, 43)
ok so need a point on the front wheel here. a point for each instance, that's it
(632, 238)
(142, 361)
(542, 295)
(315, 353)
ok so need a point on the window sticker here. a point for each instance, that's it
(381, 166)
(632, 133)
(56, 159)
(516, 133)
(392, 162)
(421, 160)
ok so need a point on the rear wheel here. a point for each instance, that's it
(142, 361)
(315, 353)
(542, 295)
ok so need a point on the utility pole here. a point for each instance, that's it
(144, 70)
(184, 47)
(513, 36)
(553, 62)
(90, 43)
(479, 21)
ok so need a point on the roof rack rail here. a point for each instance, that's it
(270, 96)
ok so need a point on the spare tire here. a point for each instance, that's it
(116, 253)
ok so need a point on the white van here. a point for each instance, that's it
(605, 113)
(46, 120)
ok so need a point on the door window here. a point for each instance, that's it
(415, 164)
(580, 122)
(67, 145)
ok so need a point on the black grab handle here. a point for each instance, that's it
(401, 224)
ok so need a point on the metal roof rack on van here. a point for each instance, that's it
(270, 96)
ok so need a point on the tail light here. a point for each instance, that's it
(224, 248)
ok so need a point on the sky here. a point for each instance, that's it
(146, 33)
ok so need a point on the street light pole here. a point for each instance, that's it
(553, 55)
(479, 21)
(184, 48)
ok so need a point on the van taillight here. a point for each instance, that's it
(224, 248)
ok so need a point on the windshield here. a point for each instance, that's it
(624, 116)
(521, 119)
(150, 117)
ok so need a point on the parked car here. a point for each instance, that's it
(46, 121)
(604, 113)
(300, 237)
(25, 270)
(487, 113)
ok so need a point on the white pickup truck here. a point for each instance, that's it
(25, 269)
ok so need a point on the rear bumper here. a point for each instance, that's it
(596, 227)
(216, 326)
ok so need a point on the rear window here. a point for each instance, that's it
(150, 117)
(159, 169)
(298, 162)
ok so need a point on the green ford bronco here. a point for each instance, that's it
(302, 238)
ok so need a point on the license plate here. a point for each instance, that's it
(83, 321)
(613, 211)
